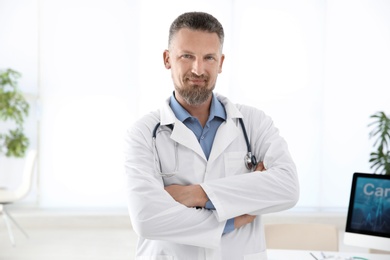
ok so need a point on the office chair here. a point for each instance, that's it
(318, 237)
(11, 196)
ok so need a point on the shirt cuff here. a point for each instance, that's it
(209, 205)
(229, 227)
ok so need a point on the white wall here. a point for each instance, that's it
(19, 51)
(88, 68)
(319, 68)
(357, 84)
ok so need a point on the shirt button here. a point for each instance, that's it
(202, 137)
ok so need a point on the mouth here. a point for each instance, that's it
(197, 80)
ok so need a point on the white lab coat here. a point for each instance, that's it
(170, 230)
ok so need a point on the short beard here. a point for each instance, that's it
(195, 96)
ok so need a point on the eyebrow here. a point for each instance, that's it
(207, 54)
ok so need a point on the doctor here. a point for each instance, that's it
(192, 191)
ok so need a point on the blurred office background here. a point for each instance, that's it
(90, 68)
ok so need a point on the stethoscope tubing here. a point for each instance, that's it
(250, 160)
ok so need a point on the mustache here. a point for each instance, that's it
(193, 76)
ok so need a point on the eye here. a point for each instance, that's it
(210, 58)
(186, 56)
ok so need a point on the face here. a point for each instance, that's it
(195, 60)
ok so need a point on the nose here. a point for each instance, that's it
(198, 67)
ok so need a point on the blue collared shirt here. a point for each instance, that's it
(204, 135)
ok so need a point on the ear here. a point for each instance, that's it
(166, 59)
(221, 63)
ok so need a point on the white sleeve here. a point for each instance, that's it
(257, 193)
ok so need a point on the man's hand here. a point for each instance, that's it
(243, 220)
(260, 167)
(190, 196)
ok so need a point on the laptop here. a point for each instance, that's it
(368, 219)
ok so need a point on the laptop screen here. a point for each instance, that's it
(369, 205)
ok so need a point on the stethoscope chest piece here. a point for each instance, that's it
(250, 161)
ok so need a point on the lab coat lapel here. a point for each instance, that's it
(226, 134)
(180, 134)
(184, 136)
(228, 131)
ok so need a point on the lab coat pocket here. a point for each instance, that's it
(235, 163)
(155, 257)
(258, 256)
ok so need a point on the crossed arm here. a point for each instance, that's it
(194, 196)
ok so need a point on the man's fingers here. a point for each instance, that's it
(243, 220)
(260, 167)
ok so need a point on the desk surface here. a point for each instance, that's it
(274, 254)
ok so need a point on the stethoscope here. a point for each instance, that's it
(249, 159)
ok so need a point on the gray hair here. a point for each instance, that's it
(197, 21)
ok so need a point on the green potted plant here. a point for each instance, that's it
(380, 157)
(13, 109)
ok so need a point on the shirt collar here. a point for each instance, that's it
(216, 109)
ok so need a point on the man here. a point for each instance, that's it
(191, 193)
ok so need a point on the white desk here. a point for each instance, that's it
(274, 254)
